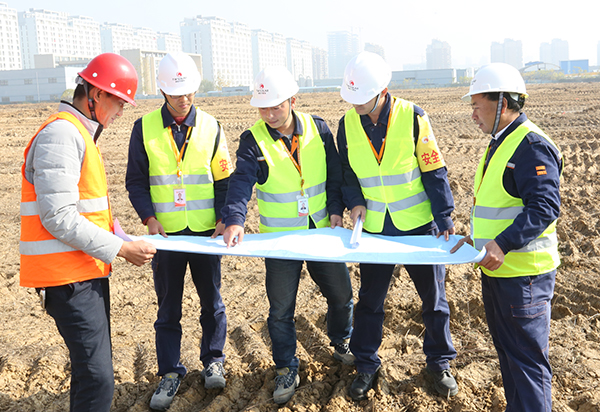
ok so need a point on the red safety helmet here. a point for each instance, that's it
(112, 73)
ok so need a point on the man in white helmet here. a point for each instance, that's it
(177, 177)
(516, 205)
(395, 181)
(292, 159)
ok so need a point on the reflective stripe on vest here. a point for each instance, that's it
(278, 196)
(495, 210)
(199, 211)
(45, 260)
(395, 184)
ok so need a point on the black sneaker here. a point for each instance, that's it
(341, 352)
(443, 382)
(362, 384)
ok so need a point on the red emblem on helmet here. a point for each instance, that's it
(351, 82)
(179, 74)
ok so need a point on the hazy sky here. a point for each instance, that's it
(469, 26)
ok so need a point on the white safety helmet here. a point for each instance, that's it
(365, 76)
(497, 77)
(273, 86)
(178, 74)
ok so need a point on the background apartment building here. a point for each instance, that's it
(438, 55)
(116, 37)
(10, 44)
(554, 52)
(510, 52)
(268, 49)
(320, 63)
(226, 49)
(168, 42)
(342, 46)
(299, 61)
(56, 33)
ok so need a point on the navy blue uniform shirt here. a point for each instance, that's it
(540, 193)
(137, 179)
(251, 168)
(435, 182)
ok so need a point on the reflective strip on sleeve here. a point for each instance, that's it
(92, 205)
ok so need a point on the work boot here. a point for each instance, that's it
(341, 352)
(286, 382)
(362, 384)
(167, 388)
(443, 382)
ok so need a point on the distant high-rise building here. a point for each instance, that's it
(10, 44)
(320, 67)
(554, 52)
(226, 49)
(168, 42)
(268, 49)
(438, 55)
(299, 61)
(58, 34)
(342, 45)
(375, 48)
(116, 37)
(510, 52)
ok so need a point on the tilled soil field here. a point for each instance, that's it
(34, 364)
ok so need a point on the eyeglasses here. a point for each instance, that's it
(189, 96)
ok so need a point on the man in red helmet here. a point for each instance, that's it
(67, 240)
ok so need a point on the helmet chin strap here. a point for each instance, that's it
(169, 104)
(90, 101)
(498, 113)
(376, 103)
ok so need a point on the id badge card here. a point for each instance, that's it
(302, 205)
(179, 197)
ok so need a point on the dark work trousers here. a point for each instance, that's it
(369, 312)
(518, 315)
(82, 314)
(169, 274)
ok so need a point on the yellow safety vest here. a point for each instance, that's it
(494, 210)
(278, 196)
(395, 184)
(45, 260)
(195, 175)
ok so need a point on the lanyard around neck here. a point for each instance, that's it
(179, 153)
(379, 155)
(298, 164)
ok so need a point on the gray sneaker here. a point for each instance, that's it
(341, 352)
(286, 382)
(214, 376)
(167, 388)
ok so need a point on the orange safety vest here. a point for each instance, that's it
(45, 260)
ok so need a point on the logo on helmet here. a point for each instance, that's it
(261, 89)
(179, 78)
(350, 86)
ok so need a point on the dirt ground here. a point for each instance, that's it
(34, 364)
